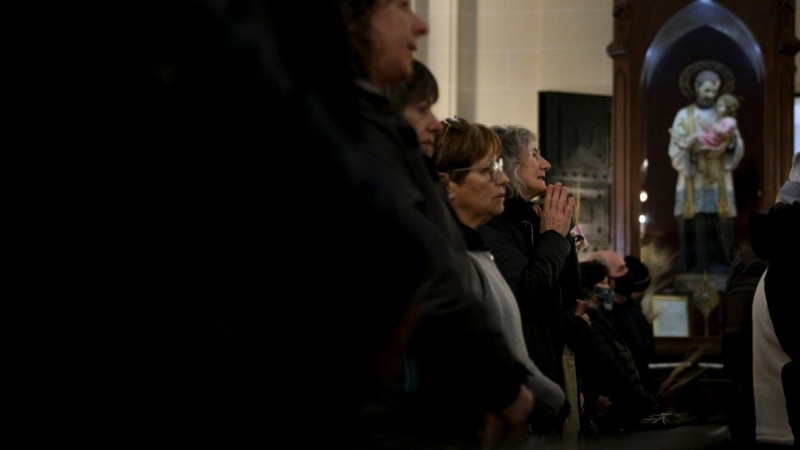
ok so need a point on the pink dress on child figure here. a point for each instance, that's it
(716, 134)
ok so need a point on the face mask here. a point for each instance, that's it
(604, 296)
(624, 285)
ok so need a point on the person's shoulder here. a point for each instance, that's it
(498, 223)
(516, 209)
(767, 232)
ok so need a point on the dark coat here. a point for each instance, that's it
(214, 355)
(607, 368)
(542, 270)
(636, 332)
(456, 364)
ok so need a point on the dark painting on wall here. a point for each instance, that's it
(575, 137)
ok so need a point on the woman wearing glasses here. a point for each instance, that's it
(467, 156)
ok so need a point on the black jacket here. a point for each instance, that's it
(542, 270)
(636, 332)
(606, 367)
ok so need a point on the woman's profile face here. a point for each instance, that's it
(532, 172)
(426, 125)
(478, 198)
(394, 29)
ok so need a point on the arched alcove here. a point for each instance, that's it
(699, 32)
(653, 42)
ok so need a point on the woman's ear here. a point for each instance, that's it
(446, 180)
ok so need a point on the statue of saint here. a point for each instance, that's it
(705, 147)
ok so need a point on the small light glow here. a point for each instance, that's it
(643, 196)
(645, 164)
(642, 218)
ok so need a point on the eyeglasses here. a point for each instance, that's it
(451, 123)
(494, 168)
(455, 122)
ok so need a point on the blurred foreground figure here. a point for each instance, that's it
(776, 336)
(245, 144)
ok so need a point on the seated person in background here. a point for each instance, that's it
(630, 321)
(613, 261)
(614, 395)
(736, 325)
(467, 156)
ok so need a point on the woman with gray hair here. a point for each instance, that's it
(535, 251)
(467, 157)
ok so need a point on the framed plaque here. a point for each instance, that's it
(672, 316)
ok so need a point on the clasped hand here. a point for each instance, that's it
(555, 213)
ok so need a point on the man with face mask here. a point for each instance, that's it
(629, 278)
(614, 395)
(615, 264)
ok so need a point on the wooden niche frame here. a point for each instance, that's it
(652, 43)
